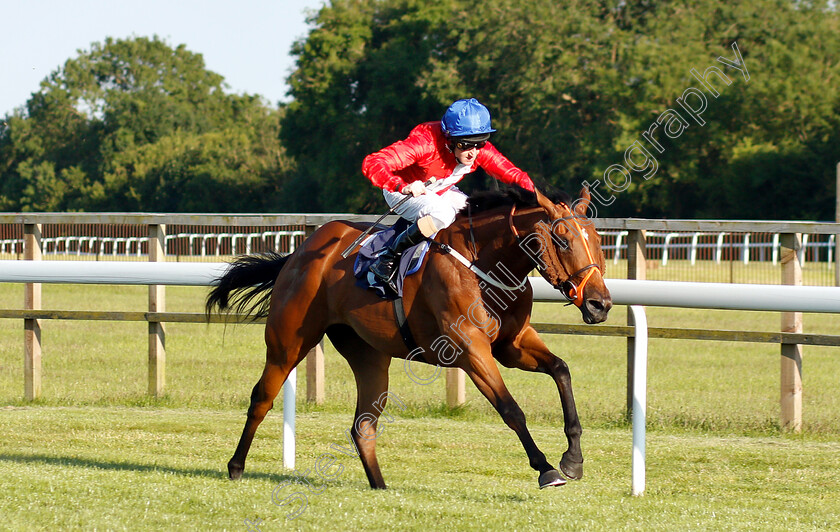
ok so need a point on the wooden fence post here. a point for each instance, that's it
(837, 236)
(32, 327)
(157, 303)
(791, 359)
(636, 269)
(456, 391)
(315, 390)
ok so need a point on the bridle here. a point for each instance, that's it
(571, 291)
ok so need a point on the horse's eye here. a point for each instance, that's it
(563, 242)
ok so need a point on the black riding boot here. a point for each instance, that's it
(385, 267)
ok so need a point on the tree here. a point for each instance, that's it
(572, 85)
(354, 90)
(235, 169)
(371, 70)
(129, 117)
(764, 150)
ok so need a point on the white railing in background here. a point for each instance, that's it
(669, 242)
(198, 244)
(269, 238)
(211, 244)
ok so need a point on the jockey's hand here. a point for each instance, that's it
(415, 188)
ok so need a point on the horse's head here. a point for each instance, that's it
(569, 256)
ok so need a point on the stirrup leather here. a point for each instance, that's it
(385, 267)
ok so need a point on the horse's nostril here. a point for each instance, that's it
(595, 305)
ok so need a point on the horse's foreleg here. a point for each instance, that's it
(571, 464)
(531, 354)
(488, 380)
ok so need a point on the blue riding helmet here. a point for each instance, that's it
(467, 118)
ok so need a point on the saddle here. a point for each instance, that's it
(410, 261)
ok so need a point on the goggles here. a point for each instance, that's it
(465, 145)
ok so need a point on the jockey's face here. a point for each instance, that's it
(466, 156)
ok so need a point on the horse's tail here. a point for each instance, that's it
(246, 285)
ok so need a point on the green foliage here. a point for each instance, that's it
(137, 125)
(769, 144)
(232, 169)
(356, 89)
(571, 86)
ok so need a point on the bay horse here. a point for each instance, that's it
(313, 292)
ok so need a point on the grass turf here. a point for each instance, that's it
(149, 468)
(96, 452)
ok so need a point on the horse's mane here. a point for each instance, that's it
(487, 200)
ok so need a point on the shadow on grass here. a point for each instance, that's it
(140, 468)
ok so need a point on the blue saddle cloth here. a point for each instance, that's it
(410, 261)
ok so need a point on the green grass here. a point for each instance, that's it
(148, 468)
(95, 452)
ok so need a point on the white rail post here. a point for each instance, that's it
(694, 239)
(157, 303)
(618, 237)
(639, 399)
(719, 248)
(636, 269)
(791, 361)
(289, 392)
(745, 253)
(32, 327)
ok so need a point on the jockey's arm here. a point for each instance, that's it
(499, 167)
(380, 167)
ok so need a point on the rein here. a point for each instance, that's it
(478, 271)
(572, 292)
(481, 274)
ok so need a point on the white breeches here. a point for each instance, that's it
(441, 208)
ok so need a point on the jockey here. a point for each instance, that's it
(447, 151)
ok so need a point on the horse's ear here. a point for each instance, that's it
(544, 202)
(582, 204)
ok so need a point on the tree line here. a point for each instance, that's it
(687, 109)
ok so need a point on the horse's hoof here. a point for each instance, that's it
(235, 471)
(573, 470)
(552, 477)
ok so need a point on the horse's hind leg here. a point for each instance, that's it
(262, 400)
(531, 354)
(370, 368)
(287, 343)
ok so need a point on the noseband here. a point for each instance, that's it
(571, 291)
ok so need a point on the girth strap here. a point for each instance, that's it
(402, 323)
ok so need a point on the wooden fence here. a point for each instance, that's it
(31, 226)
